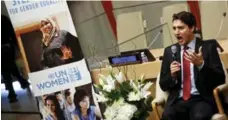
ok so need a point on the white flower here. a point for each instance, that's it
(100, 97)
(147, 86)
(126, 111)
(101, 82)
(145, 94)
(134, 96)
(110, 113)
(109, 79)
(110, 68)
(101, 79)
(107, 88)
(134, 86)
(120, 110)
(119, 77)
(110, 84)
(144, 91)
(142, 77)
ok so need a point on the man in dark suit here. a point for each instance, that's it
(190, 70)
(8, 44)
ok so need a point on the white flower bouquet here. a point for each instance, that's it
(124, 99)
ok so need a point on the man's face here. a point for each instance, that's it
(183, 33)
(69, 100)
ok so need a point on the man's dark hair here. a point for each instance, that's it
(186, 17)
(67, 93)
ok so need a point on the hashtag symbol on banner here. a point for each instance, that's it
(71, 74)
(74, 74)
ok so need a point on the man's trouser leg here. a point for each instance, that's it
(9, 84)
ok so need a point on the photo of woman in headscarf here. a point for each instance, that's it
(53, 107)
(58, 46)
(83, 110)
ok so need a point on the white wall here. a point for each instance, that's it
(92, 32)
(167, 13)
(152, 13)
(93, 27)
(211, 17)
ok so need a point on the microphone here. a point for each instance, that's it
(174, 56)
(174, 52)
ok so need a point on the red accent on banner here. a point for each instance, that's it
(107, 5)
(194, 7)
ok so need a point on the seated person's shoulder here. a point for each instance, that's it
(210, 42)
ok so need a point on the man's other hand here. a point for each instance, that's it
(196, 59)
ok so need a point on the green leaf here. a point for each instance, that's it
(140, 115)
(114, 95)
(125, 89)
(148, 103)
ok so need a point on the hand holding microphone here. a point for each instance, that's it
(195, 58)
(174, 66)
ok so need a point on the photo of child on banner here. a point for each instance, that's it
(71, 104)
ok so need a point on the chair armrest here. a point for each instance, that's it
(216, 91)
(159, 101)
(155, 103)
(223, 87)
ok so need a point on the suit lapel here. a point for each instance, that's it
(178, 53)
(199, 43)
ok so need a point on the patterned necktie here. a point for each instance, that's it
(187, 77)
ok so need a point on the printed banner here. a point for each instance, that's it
(60, 78)
(53, 59)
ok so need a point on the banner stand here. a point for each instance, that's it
(53, 58)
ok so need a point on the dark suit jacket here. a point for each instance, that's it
(209, 77)
(8, 44)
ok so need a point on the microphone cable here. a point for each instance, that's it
(222, 21)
